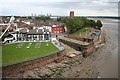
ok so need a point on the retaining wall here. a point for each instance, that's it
(86, 50)
(73, 45)
(12, 70)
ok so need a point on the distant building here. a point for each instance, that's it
(58, 29)
(71, 13)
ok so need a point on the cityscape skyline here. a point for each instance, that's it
(59, 8)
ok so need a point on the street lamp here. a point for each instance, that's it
(86, 30)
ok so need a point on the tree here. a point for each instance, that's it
(99, 24)
(92, 23)
(29, 17)
(42, 18)
(58, 18)
(74, 24)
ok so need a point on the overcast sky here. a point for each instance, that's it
(59, 7)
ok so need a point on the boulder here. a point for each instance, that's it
(29, 74)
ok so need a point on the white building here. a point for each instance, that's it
(43, 27)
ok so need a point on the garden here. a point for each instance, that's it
(24, 51)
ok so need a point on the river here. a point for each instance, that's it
(107, 58)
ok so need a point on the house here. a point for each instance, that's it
(43, 27)
(33, 35)
(10, 29)
(58, 29)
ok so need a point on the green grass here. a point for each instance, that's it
(83, 31)
(11, 54)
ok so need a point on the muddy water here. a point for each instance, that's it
(108, 64)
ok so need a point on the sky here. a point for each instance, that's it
(59, 7)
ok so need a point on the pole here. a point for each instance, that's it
(9, 24)
(5, 31)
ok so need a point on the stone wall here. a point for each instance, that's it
(90, 49)
(73, 45)
(86, 50)
(13, 70)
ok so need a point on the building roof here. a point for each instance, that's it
(23, 30)
(40, 31)
(46, 30)
(32, 31)
(23, 25)
(96, 32)
(10, 29)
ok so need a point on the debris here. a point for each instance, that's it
(77, 53)
(29, 74)
(71, 55)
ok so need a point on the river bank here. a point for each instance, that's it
(106, 59)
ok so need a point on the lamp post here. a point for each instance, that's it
(86, 30)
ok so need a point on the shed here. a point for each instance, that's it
(96, 32)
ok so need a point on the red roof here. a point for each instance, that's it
(11, 28)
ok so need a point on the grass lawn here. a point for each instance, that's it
(18, 52)
(83, 31)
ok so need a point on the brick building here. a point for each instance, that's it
(71, 13)
(58, 29)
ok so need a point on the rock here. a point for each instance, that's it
(99, 46)
(78, 70)
(71, 55)
(29, 74)
(77, 52)
(44, 72)
(55, 65)
(52, 65)
(64, 61)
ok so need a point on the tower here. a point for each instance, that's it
(71, 13)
